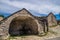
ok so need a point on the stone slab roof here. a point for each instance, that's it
(15, 13)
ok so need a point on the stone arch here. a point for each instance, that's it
(6, 23)
(23, 25)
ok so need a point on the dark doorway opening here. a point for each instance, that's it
(25, 30)
(26, 26)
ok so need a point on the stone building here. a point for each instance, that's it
(22, 22)
(44, 22)
(51, 19)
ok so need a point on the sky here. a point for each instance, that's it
(36, 7)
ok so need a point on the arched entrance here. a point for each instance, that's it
(23, 26)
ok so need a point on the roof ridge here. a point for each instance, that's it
(15, 13)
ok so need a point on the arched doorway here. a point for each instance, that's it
(23, 26)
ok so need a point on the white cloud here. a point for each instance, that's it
(40, 8)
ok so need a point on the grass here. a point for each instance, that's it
(14, 37)
(53, 26)
(43, 34)
(24, 36)
(55, 33)
(11, 38)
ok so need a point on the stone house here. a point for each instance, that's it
(44, 22)
(22, 22)
(51, 19)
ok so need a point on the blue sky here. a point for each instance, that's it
(36, 7)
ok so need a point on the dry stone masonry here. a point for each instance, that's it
(23, 22)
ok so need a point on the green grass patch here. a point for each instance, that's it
(43, 34)
(55, 33)
(18, 36)
(53, 26)
(15, 37)
(11, 38)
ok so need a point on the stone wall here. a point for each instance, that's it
(4, 26)
(51, 19)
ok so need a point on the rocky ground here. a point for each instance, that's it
(54, 32)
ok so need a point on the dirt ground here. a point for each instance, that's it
(53, 33)
(31, 37)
